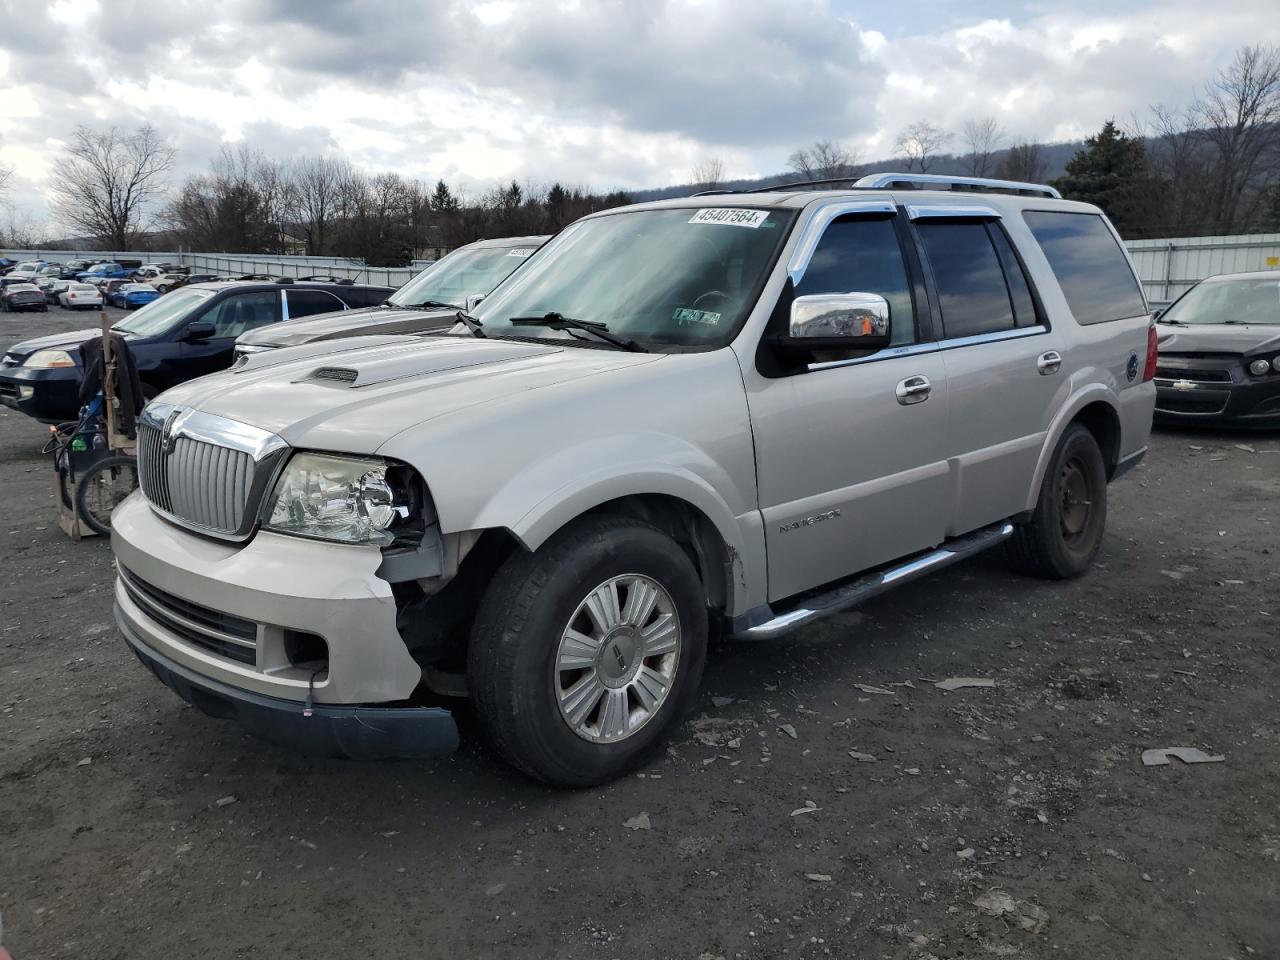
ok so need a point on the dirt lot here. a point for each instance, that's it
(764, 837)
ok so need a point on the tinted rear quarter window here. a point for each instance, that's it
(970, 282)
(1090, 265)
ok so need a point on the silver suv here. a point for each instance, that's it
(727, 414)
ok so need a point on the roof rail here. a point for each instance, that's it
(933, 181)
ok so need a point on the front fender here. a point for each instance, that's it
(550, 493)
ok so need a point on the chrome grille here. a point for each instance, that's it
(204, 471)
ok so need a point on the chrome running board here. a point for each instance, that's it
(852, 593)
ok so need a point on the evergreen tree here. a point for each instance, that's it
(1112, 172)
(443, 200)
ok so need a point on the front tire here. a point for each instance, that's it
(1065, 532)
(587, 650)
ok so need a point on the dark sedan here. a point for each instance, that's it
(22, 296)
(181, 336)
(430, 301)
(1219, 353)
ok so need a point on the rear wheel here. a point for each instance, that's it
(102, 488)
(586, 651)
(1065, 532)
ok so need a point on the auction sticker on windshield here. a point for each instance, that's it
(520, 251)
(730, 217)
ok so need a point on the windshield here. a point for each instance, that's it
(159, 316)
(462, 274)
(1253, 300)
(684, 277)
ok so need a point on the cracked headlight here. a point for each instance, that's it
(346, 499)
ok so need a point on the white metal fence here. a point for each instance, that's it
(1166, 267)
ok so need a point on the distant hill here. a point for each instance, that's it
(1055, 156)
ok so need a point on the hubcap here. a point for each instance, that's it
(1076, 503)
(617, 658)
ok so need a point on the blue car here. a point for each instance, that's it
(131, 296)
(103, 269)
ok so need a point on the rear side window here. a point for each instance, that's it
(971, 284)
(1090, 265)
(308, 303)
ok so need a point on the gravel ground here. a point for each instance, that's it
(1013, 821)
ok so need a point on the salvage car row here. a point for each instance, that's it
(543, 489)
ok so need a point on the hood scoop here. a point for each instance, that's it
(336, 374)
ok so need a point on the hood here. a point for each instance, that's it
(58, 341)
(347, 323)
(1217, 338)
(356, 396)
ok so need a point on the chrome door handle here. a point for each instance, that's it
(1049, 362)
(913, 390)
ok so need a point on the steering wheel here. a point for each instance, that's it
(710, 295)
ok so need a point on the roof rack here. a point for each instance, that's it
(268, 277)
(326, 278)
(912, 181)
(934, 181)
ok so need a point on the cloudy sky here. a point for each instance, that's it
(602, 93)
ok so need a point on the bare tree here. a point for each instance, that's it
(920, 144)
(708, 173)
(983, 136)
(1239, 115)
(317, 183)
(1025, 163)
(6, 174)
(824, 160)
(109, 181)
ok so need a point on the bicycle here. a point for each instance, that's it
(104, 483)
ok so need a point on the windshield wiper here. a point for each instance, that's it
(424, 305)
(1172, 323)
(473, 324)
(558, 321)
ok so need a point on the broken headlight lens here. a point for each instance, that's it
(347, 499)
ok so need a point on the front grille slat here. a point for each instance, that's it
(182, 617)
(204, 484)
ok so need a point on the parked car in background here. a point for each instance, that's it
(725, 415)
(26, 270)
(53, 288)
(132, 295)
(17, 297)
(108, 286)
(173, 280)
(80, 296)
(1220, 353)
(430, 301)
(186, 334)
(105, 270)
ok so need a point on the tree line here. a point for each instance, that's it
(113, 186)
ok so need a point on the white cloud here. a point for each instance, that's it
(602, 93)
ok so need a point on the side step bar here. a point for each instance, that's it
(854, 592)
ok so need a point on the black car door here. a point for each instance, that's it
(229, 316)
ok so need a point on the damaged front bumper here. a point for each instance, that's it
(350, 732)
(294, 639)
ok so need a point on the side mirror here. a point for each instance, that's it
(838, 321)
(199, 330)
(1158, 313)
(473, 301)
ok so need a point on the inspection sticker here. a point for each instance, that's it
(685, 315)
(731, 217)
(520, 251)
